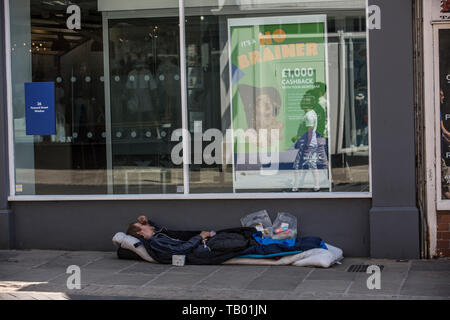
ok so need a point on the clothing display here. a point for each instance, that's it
(140, 83)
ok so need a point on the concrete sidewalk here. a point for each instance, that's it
(42, 275)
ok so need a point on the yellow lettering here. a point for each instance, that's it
(243, 61)
(311, 49)
(277, 52)
(268, 55)
(279, 35)
(300, 49)
(265, 39)
(255, 57)
(288, 50)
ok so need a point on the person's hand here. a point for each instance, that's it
(205, 234)
(142, 220)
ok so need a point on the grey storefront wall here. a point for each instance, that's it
(386, 226)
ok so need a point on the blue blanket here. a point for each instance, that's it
(269, 248)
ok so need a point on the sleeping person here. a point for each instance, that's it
(209, 247)
(161, 239)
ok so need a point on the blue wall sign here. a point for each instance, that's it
(40, 108)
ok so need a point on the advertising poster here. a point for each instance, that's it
(279, 99)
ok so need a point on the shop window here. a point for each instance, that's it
(276, 97)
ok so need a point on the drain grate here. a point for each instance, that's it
(361, 267)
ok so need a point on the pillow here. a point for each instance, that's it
(128, 242)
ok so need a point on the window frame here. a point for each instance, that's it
(186, 170)
(442, 204)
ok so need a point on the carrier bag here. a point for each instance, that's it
(260, 221)
(284, 227)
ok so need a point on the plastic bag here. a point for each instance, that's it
(259, 220)
(284, 227)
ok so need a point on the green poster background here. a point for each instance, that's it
(278, 74)
(285, 73)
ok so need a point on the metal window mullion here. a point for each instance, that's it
(107, 88)
(9, 104)
(184, 119)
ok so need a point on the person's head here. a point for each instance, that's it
(139, 230)
(262, 106)
(267, 108)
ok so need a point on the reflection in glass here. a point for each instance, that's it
(444, 99)
(145, 104)
(343, 138)
(43, 50)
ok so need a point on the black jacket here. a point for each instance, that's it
(226, 244)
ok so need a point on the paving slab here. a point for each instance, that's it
(430, 265)
(330, 274)
(321, 287)
(191, 269)
(430, 276)
(28, 258)
(272, 295)
(34, 275)
(110, 263)
(232, 277)
(279, 279)
(175, 280)
(425, 288)
(72, 258)
(7, 271)
(389, 286)
(145, 268)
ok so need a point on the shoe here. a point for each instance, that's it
(294, 190)
(316, 189)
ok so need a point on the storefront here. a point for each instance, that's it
(196, 113)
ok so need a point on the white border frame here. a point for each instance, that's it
(442, 204)
(281, 20)
(186, 195)
(11, 158)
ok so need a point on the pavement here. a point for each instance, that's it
(43, 275)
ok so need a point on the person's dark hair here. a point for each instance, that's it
(133, 230)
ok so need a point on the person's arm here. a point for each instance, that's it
(142, 219)
(181, 247)
(310, 133)
(181, 235)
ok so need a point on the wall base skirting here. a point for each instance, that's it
(6, 229)
(394, 233)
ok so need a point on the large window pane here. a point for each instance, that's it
(90, 121)
(96, 95)
(44, 49)
(323, 127)
(145, 103)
